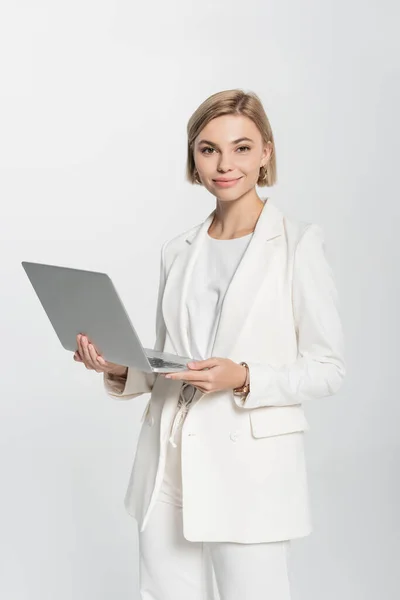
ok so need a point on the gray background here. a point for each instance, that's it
(95, 97)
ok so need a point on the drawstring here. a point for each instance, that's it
(183, 408)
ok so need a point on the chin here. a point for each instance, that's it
(230, 194)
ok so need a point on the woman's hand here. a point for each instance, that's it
(212, 375)
(88, 355)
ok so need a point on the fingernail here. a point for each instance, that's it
(191, 365)
(168, 377)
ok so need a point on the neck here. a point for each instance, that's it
(235, 218)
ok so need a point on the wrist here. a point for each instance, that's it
(244, 386)
(242, 376)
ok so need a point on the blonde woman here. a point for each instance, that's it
(219, 481)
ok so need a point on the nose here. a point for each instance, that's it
(224, 164)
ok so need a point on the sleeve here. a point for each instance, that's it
(319, 369)
(138, 382)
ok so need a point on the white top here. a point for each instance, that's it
(215, 266)
(212, 273)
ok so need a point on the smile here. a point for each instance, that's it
(226, 184)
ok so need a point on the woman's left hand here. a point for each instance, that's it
(212, 375)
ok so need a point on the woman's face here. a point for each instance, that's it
(228, 154)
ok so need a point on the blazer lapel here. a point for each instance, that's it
(247, 279)
(242, 289)
(176, 289)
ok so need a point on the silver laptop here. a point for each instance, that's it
(79, 301)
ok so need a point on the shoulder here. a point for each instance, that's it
(307, 250)
(306, 247)
(295, 229)
(300, 234)
(305, 241)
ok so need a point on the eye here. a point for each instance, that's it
(243, 148)
(204, 150)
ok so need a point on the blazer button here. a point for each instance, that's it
(234, 436)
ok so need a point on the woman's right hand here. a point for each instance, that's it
(88, 355)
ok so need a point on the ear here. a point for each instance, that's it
(266, 154)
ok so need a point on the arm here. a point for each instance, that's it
(135, 382)
(319, 369)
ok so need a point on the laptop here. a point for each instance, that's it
(79, 301)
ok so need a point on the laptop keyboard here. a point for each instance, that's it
(160, 362)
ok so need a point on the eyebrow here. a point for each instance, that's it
(242, 139)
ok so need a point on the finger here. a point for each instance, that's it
(95, 362)
(203, 385)
(92, 356)
(182, 375)
(95, 349)
(86, 354)
(98, 360)
(77, 357)
(80, 347)
(203, 364)
(188, 376)
(92, 352)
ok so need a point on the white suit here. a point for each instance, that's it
(243, 466)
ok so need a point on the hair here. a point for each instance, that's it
(231, 102)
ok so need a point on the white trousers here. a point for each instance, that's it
(173, 568)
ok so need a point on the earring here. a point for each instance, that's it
(263, 173)
(196, 176)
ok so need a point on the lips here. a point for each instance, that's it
(226, 180)
(226, 183)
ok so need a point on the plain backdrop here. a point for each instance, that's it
(95, 98)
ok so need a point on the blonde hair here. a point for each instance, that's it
(231, 102)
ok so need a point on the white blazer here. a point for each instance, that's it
(243, 467)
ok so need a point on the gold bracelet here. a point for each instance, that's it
(245, 388)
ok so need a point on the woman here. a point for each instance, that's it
(219, 481)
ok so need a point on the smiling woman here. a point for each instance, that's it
(248, 294)
(218, 159)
